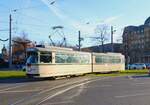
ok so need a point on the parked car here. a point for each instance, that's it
(138, 66)
(147, 65)
(127, 67)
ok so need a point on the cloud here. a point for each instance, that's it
(112, 19)
(85, 28)
(76, 24)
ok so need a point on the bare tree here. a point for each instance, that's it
(19, 45)
(101, 35)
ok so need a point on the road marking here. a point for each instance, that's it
(56, 87)
(19, 91)
(142, 83)
(80, 90)
(6, 86)
(130, 77)
(12, 87)
(44, 91)
(59, 86)
(132, 95)
(97, 86)
(63, 102)
(60, 92)
(67, 89)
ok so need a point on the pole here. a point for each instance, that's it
(10, 48)
(112, 32)
(79, 40)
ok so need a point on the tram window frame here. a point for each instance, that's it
(43, 55)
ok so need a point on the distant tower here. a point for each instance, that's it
(4, 52)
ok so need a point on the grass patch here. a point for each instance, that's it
(12, 74)
(123, 73)
(21, 74)
(134, 72)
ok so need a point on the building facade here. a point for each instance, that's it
(117, 47)
(136, 43)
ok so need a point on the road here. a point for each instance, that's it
(86, 90)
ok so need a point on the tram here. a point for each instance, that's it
(48, 61)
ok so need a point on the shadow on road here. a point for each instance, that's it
(21, 80)
(141, 76)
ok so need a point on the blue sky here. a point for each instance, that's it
(36, 17)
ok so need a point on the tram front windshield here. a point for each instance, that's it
(32, 57)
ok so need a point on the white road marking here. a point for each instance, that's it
(6, 86)
(12, 87)
(62, 102)
(130, 77)
(56, 87)
(19, 91)
(67, 89)
(80, 90)
(44, 91)
(142, 83)
(97, 86)
(60, 92)
(132, 95)
(59, 86)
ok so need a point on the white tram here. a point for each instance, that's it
(54, 61)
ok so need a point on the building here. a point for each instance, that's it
(117, 47)
(136, 43)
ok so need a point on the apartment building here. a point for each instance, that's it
(136, 43)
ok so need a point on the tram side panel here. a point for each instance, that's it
(107, 67)
(62, 70)
(108, 62)
(66, 63)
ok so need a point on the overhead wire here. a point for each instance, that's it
(35, 18)
(41, 25)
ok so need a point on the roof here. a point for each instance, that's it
(147, 21)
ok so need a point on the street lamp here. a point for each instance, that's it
(112, 33)
(80, 38)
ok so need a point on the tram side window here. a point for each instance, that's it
(72, 58)
(84, 59)
(60, 58)
(45, 57)
(106, 59)
(99, 59)
(115, 59)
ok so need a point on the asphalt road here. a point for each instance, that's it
(131, 90)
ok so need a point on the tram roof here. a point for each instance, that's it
(52, 48)
(48, 49)
(109, 53)
(62, 49)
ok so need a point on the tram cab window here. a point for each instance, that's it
(45, 57)
(32, 57)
